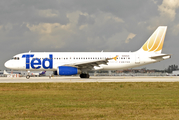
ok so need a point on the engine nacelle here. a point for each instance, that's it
(67, 70)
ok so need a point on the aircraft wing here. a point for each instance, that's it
(89, 64)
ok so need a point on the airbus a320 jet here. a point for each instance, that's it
(72, 63)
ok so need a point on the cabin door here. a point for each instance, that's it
(137, 59)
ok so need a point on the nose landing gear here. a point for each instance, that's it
(28, 76)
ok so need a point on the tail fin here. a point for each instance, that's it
(156, 40)
(5, 73)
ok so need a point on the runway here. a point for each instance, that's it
(75, 79)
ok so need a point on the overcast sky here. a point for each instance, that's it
(86, 26)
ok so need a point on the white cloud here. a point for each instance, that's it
(8, 27)
(47, 28)
(155, 2)
(167, 13)
(60, 35)
(48, 13)
(74, 16)
(51, 33)
(116, 40)
(168, 8)
(117, 19)
(175, 30)
(130, 37)
(83, 27)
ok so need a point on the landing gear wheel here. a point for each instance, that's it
(84, 75)
(28, 76)
(87, 75)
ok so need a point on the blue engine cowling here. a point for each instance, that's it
(67, 70)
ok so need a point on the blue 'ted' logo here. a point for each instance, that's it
(37, 62)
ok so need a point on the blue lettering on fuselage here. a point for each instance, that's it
(36, 63)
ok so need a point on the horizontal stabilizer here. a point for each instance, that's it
(160, 56)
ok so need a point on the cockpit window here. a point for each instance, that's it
(15, 58)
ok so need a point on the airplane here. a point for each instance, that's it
(174, 73)
(12, 73)
(6, 73)
(73, 63)
(39, 74)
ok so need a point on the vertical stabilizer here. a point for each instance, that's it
(5, 73)
(156, 40)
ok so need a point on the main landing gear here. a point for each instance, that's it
(84, 75)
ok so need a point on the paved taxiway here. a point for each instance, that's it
(91, 79)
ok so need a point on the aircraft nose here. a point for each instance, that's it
(7, 64)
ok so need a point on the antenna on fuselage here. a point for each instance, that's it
(29, 51)
(102, 51)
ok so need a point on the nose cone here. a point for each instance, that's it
(8, 64)
(13, 64)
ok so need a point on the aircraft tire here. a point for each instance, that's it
(87, 75)
(28, 76)
(84, 75)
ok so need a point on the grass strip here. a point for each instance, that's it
(141, 101)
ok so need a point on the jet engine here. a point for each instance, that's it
(67, 70)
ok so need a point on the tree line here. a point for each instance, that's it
(171, 68)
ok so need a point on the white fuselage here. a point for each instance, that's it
(123, 61)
